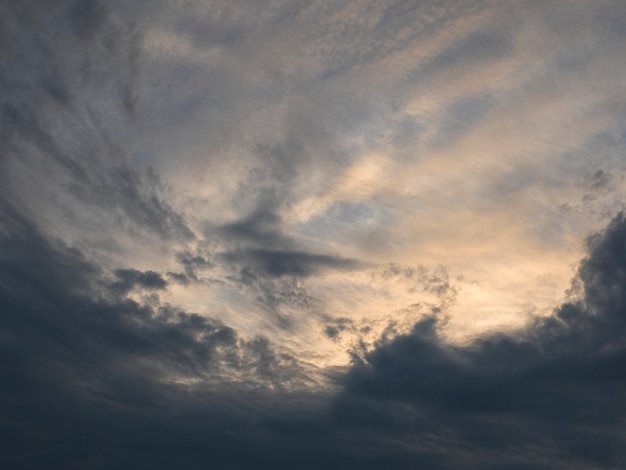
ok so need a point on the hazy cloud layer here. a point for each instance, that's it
(332, 234)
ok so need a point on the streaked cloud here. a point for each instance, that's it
(298, 227)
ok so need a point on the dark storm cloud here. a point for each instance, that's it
(68, 295)
(557, 386)
(75, 351)
(91, 379)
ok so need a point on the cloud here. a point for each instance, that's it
(76, 346)
(192, 264)
(279, 263)
(553, 385)
(71, 292)
(70, 101)
(261, 228)
(155, 388)
(328, 234)
(131, 278)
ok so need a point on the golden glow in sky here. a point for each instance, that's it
(351, 169)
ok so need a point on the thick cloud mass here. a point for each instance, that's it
(92, 378)
(312, 234)
(75, 350)
(557, 386)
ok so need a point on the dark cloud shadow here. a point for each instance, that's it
(557, 386)
(85, 368)
(294, 263)
(94, 379)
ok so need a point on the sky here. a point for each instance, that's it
(312, 234)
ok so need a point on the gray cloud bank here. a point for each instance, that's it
(94, 379)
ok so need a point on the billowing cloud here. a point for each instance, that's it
(156, 386)
(555, 386)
